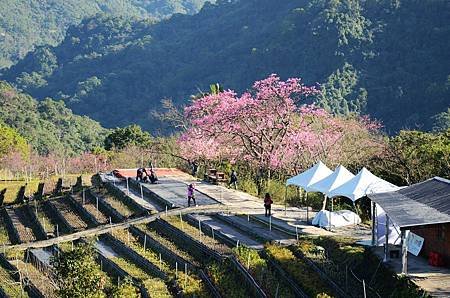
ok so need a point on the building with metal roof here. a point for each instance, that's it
(423, 209)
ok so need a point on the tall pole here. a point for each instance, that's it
(386, 240)
(374, 224)
(404, 252)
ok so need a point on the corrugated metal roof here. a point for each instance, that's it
(424, 203)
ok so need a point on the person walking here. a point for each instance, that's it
(233, 179)
(191, 194)
(194, 168)
(267, 205)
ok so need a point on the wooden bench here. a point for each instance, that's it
(213, 176)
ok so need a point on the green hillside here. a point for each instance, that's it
(24, 24)
(48, 125)
(386, 58)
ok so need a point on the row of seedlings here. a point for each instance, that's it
(183, 276)
(109, 205)
(38, 273)
(256, 265)
(88, 209)
(19, 280)
(147, 274)
(22, 224)
(219, 266)
(123, 197)
(326, 280)
(66, 218)
(10, 286)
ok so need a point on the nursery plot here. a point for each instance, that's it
(155, 286)
(195, 233)
(265, 276)
(22, 224)
(91, 208)
(141, 198)
(308, 279)
(167, 243)
(44, 284)
(69, 214)
(45, 221)
(9, 286)
(190, 284)
(125, 209)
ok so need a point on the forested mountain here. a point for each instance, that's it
(386, 58)
(48, 125)
(24, 24)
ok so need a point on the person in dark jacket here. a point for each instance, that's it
(233, 179)
(267, 204)
(191, 194)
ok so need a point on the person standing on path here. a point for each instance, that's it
(233, 179)
(191, 194)
(267, 204)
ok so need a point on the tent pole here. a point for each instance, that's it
(374, 211)
(331, 199)
(306, 203)
(386, 239)
(404, 253)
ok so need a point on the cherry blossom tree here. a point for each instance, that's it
(269, 127)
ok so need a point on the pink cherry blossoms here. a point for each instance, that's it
(266, 127)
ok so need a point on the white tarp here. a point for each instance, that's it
(394, 231)
(338, 219)
(310, 176)
(340, 176)
(362, 184)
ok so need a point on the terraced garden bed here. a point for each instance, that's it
(9, 286)
(68, 214)
(21, 224)
(91, 208)
(299, 270)
(265, 276)
(44, 220)
(198, 235)
(4, 238)
(190, 283)
(46, 286)
(125, 209)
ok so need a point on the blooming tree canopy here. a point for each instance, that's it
(267, 126)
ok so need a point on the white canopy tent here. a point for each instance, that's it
(339, 177)
(310, 176)
(307, 178)
(361, 185)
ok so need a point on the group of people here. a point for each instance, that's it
(144, 176)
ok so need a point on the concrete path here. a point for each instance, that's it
(175, 192)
